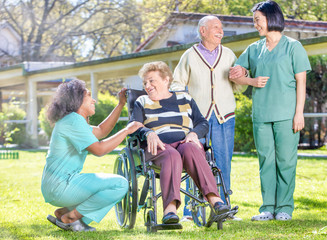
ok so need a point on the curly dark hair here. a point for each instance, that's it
(67, 99)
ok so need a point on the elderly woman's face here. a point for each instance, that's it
(156, 86)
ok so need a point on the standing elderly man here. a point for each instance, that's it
(203, 69)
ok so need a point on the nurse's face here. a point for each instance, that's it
(260, 23)
(88, 106)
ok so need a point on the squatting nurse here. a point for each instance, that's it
(278, 66)
(82, 197)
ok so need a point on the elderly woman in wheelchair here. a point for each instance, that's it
(173, 125)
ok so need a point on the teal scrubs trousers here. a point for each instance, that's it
(276, 146)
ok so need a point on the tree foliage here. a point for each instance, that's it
(158, 11)
(77, 30)
(72, 30)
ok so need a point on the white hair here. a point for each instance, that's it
(203, 23)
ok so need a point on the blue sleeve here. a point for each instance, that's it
(200, 124)
(80, 134)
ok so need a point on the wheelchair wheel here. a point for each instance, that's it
(201, 212)
(150, 222)
(127, 208)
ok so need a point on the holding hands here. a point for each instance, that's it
(237, 74)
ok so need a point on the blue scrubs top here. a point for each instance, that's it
(277, 100)
(66, 156)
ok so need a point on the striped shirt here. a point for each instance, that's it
(171, 119)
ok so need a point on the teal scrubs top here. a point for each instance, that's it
(66, 156)
(277, 100)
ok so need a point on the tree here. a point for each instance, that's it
(72, 30)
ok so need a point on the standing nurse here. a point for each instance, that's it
(278, 66)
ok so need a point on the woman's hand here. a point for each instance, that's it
(236, 72)
(298, 122)
(192, 137)
(260, 82)
(133, 126)
(154, 142)
(122, 96)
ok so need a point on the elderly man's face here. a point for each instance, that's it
(213, 32)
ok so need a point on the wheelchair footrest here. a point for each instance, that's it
(233, 211)
(222, 217)
(173, 226)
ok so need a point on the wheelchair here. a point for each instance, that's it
(131, 164)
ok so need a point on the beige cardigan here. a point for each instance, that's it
(208, 85)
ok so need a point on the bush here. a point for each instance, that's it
(243, 124)
(106, 103)
(45, 125)
(14, 133)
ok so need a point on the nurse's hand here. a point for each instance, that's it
(133, 126)
(260, 82)
(298, 122)
(122, 96)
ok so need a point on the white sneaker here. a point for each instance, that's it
(233, 218)
(283, 216)
(264, 216)
(186, 218)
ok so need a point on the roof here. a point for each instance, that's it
(289, 23)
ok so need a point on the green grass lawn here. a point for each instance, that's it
(23, 211)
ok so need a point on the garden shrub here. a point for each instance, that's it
(14, 133)
(45, 125)
(243, 124)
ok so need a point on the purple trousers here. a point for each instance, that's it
(172, 160)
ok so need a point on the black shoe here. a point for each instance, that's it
(220, 208)
(170, 218)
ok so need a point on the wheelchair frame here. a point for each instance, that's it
(131, 164)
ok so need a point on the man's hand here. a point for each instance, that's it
(236, 72)
(154, 142)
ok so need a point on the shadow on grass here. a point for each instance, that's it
(311, 203)
(243, 229)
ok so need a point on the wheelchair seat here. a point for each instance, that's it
(131, 164)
